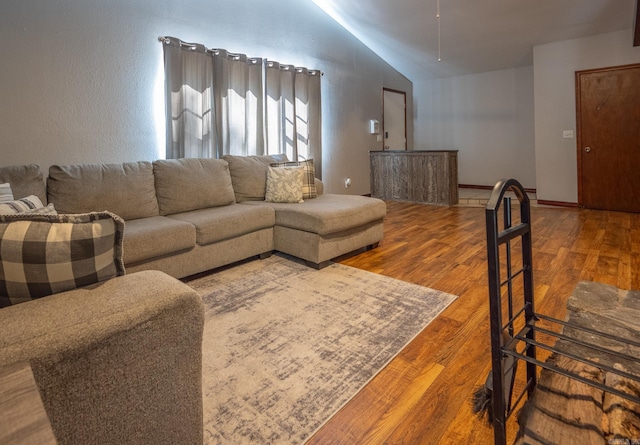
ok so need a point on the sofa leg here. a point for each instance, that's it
(372, 246)
(265, 255)
(318, 266)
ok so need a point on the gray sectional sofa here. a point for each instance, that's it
(188, 216)
(120, 361)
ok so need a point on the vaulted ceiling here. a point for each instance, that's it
(475, 35)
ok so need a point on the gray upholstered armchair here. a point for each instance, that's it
(118, 362)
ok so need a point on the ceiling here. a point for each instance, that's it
(475, 35)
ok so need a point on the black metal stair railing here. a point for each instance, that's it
(515, 339)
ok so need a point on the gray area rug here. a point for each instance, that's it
(286, 346)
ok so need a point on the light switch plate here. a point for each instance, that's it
(567, 134)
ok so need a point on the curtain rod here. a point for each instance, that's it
(193, 46)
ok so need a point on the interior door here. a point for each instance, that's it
(394, 119)
(608, 118)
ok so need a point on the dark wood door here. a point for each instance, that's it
(608, 118)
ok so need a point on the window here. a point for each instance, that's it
(221, 103)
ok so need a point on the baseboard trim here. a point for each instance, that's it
(544, 202)
(487, 187)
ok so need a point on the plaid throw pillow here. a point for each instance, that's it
(309, 180)
(44, 254)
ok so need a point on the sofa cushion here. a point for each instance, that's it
(249, 175)
(25, 180)
(309, 179)
(44, 254)
(183, 185)
(156, 236)
(328, 213)
(126, 189)
(284, 184)
(221, 223)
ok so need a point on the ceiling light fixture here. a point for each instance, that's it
(438, 19)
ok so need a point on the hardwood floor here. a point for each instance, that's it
(423, 395)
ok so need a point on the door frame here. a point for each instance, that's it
(579, 151)
(404, 95)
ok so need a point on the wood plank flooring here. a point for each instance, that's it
(423, 395)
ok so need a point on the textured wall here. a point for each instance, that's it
(81, 80)
(488, 117)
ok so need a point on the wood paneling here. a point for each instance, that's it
(423, 396)
(417, 176)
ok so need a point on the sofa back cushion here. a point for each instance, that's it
(126, 189)
(24, 180)
(249, 175)
(183, 185)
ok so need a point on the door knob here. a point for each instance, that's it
(587, 149)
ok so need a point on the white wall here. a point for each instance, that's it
(488, 117)
(555, 65)
(81, 80)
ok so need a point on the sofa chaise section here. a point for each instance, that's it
(317, 229)
(326, 227)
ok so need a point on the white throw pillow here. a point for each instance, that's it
(49, 209)
(30, 203)
(284, 184)
(5, 192)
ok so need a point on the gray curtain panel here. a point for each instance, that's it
(238, 102)
(293, 112)
(188, 101)
(308, 111)
(217, 104)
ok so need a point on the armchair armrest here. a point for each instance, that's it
(115, 363)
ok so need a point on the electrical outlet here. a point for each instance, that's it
(347, 183)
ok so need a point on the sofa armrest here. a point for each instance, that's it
(319, 186)
(115, 363)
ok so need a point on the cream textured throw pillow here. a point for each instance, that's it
(309, 179)
(284, 184)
